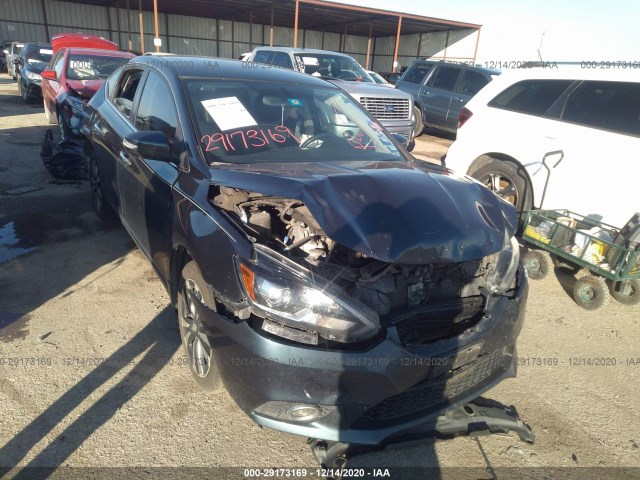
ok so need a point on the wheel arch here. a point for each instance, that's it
(485, 158)
(180, 256)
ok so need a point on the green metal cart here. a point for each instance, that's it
(584, 245)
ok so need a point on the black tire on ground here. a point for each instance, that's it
(419, 126)
(591, 292)
(507, 180)
(627, 292)
(537, 264)
(22, 90)
(193, 295)
(100, 205)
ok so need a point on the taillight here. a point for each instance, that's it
(465, 114)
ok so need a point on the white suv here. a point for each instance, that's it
(590, 115)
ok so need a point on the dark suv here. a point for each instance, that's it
(440, 90)
(338, 288)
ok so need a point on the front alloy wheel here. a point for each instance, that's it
(192, 301)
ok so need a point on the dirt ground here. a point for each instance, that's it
(90, 372)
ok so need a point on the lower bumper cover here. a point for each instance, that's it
(372, 396)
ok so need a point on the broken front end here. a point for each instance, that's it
(344, 344)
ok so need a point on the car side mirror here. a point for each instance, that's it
(49, 75)
(404, 141)
(149, 145)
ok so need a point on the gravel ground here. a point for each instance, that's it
(99, 380)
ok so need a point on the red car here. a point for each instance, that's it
(79, 66)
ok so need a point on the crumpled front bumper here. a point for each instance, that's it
(365, 396)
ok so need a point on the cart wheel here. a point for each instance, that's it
(627, 292)
(591, 292)
(537, 264)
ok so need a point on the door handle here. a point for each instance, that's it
(125, 158)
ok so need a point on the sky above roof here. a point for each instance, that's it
(562, 30)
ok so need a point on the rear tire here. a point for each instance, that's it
(627, 292)
(508, 181)
(591, 292)
(194, 295)
(419, 126)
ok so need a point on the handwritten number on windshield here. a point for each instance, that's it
(248, 140)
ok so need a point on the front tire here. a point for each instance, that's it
(537, 264)
(591, 292)
(100, 205)
(50, 118)
(507, 180)
(193, 296)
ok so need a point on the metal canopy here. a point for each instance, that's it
(317, 15)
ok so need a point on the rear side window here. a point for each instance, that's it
(281, 59)
(472, 82)
(263, 56)
(445, 78)
(531, 96)
(611, 106)
(126, 91)
(416, 73)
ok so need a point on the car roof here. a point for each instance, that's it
(302, 50)
(566, 72)
(490, 71)
(188, 66)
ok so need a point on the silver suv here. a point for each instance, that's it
(393, 108)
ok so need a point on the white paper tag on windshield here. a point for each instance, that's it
(228, 113)
(46, 51)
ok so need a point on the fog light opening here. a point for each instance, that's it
(469, 410)
(303, 413)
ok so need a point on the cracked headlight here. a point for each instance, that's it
(282, 291)
(503, 277)
(33, 75)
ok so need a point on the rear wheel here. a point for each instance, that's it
(627, 292)
(591, 292)
(419, 126)
(193, 296)
(507, 180)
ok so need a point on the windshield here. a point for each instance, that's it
(331, 66)
(17, 48)
(92, 67)
(268, 122)
(39, 55)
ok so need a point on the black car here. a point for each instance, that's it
(338, 288)
(33, 59)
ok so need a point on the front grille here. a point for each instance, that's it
(387, 108)
(431, 393)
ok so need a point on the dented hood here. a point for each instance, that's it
(396, 211)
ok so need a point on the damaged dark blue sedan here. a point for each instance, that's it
(337, 287)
